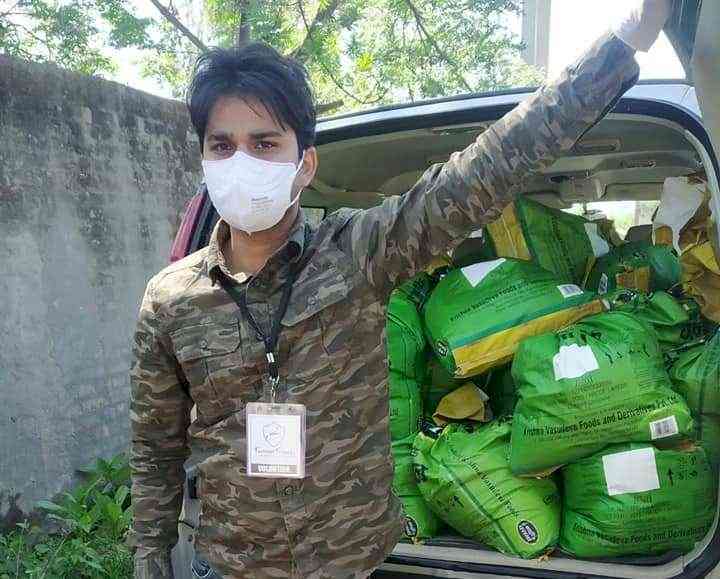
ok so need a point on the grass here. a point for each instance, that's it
(92, 520)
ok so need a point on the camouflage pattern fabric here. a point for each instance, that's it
(342, 520)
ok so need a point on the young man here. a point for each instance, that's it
(275, 320)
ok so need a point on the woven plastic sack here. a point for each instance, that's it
(477, 315)
(406, 351)
(420, 523)
(557, 241)
(637, 265)
(696, 376)
(635, 499)
(465, 478)
(598, 382)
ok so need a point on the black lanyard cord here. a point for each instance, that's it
(270, 341)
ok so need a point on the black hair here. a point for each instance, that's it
(259, 72)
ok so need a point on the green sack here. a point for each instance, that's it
(638, 265)
(502, 391)
(404, 481)
(477, 315)
(634, 499)
(438, 384)
(708, 435)
(667, 316)
(466, 480)
(559, 242)
(420, 522)
(696, 375)
(598, 382)
(407, 352)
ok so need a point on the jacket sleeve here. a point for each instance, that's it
(401, 236)
(159, 416)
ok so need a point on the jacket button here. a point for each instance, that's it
(289, 490)
(203, 344)
(312, 300)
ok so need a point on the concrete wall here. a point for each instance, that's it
(93, 180)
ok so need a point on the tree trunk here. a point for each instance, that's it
(244, 33)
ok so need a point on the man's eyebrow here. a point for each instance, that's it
(220, 135)
(266, 134)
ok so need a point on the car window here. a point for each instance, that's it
(624, 214)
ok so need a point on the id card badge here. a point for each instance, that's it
(275, 440)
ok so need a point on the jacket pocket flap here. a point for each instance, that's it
(205, 340)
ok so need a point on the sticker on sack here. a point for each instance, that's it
(633, 471)
(664, 428)
(570, 290)
(574, 361)
(477, 272)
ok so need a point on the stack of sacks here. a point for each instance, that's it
(407, 354)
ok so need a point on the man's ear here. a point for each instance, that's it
(308, 168)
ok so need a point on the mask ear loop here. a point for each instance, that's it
(297, 171)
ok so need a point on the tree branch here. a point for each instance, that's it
(445, 56)
(170, 17)
(323, 108)
(322, 16)
(331, 76)
(243, 33)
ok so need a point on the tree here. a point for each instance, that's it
(363, 52)
(74, 34)
(358, 52)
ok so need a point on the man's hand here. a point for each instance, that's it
(641, 27)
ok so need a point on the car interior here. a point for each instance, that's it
(623, 158)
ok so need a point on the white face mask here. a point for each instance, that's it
(250, 194)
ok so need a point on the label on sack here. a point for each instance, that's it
(574, 361)
(663, 428)
(599, 246)
(603, 285)
(569, 290)
(477, 272)
(633, 471)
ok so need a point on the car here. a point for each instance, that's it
(656, 130)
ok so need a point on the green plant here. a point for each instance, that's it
(93, 521)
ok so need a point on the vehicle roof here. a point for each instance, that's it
(673, 91)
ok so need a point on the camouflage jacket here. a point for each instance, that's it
(342, 519)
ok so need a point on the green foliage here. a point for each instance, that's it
(70, 33)
(365, 52)
(358, 52)
(93, 520)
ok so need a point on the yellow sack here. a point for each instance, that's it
(701, 278)
(697, 241)
(466, 403)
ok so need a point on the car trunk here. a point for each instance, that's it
(624, 158)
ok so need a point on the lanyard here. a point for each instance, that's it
(270, 341)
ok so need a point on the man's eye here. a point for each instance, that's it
(264, 145)
(221, 148)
